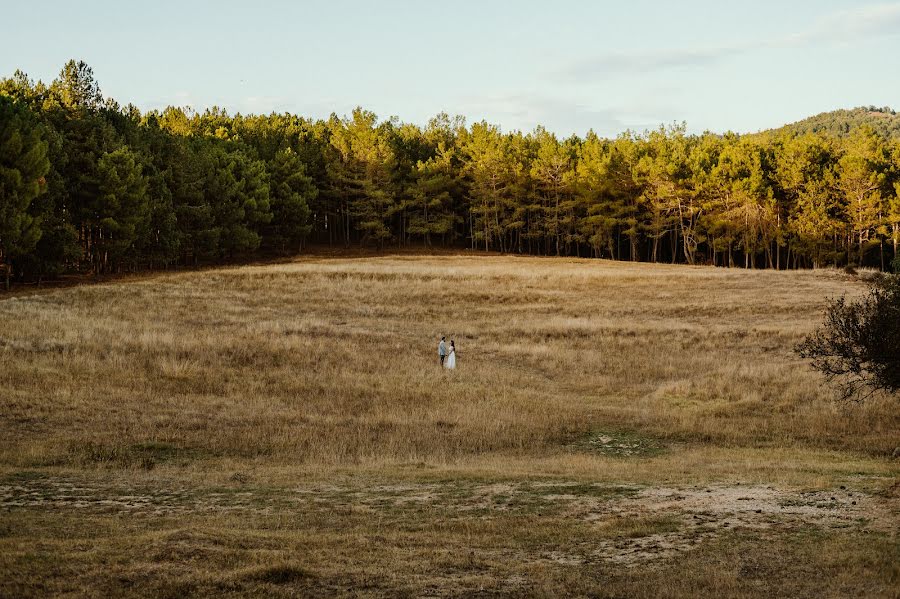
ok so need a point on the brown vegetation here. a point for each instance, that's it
(284, 428)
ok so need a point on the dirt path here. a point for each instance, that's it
(633, 524)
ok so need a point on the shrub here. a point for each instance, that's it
(858, 346)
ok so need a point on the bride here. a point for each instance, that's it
(451, 357)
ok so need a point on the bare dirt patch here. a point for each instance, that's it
(704, 513)
(629, 525)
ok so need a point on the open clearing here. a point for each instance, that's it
(612, 430)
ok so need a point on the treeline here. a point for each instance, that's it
(88, 185)
(885, 122)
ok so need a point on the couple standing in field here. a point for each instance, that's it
(448, 359)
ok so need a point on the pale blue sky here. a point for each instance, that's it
(568, 65)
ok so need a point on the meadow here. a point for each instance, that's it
(612, 430)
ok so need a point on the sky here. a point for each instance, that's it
(568, 65)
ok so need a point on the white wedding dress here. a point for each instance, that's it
(451, 359)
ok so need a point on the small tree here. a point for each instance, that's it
(858, 346)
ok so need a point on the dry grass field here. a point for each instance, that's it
(612, 430)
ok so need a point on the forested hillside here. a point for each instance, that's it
(883, 121)
(89, 185)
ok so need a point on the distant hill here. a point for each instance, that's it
(840, 122)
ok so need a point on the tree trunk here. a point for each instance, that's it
(849, 249)
(896, 239)
(556, 223)
(347, 224)
(861, 249)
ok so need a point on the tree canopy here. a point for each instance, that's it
(89, 185)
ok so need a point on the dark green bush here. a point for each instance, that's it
(858, 346)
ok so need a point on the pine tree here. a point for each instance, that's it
(23, 165)
(490, 173)
(893, 219)
(861, 181)
(120, 210)
(76, 88)
(553, 171)
(431, 196)
(805, 174)
(291, 191)
(236, 189)
(665, 175)
(609, 194)
(748, 203)
(361, 177)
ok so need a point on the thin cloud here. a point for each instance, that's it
(524, 111)
(865, 22)
(650, 61)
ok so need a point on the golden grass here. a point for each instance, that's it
(325, 369)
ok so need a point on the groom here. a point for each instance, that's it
(442, 351)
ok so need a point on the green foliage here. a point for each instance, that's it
(120, 209)
(157, 239)
(291, 193)
(859, 344)
(237, 189)
(432, 194)
(23, 164)
(363, 173)
(125, 190)
(490, 165)
(839, 123)
(76, 88)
